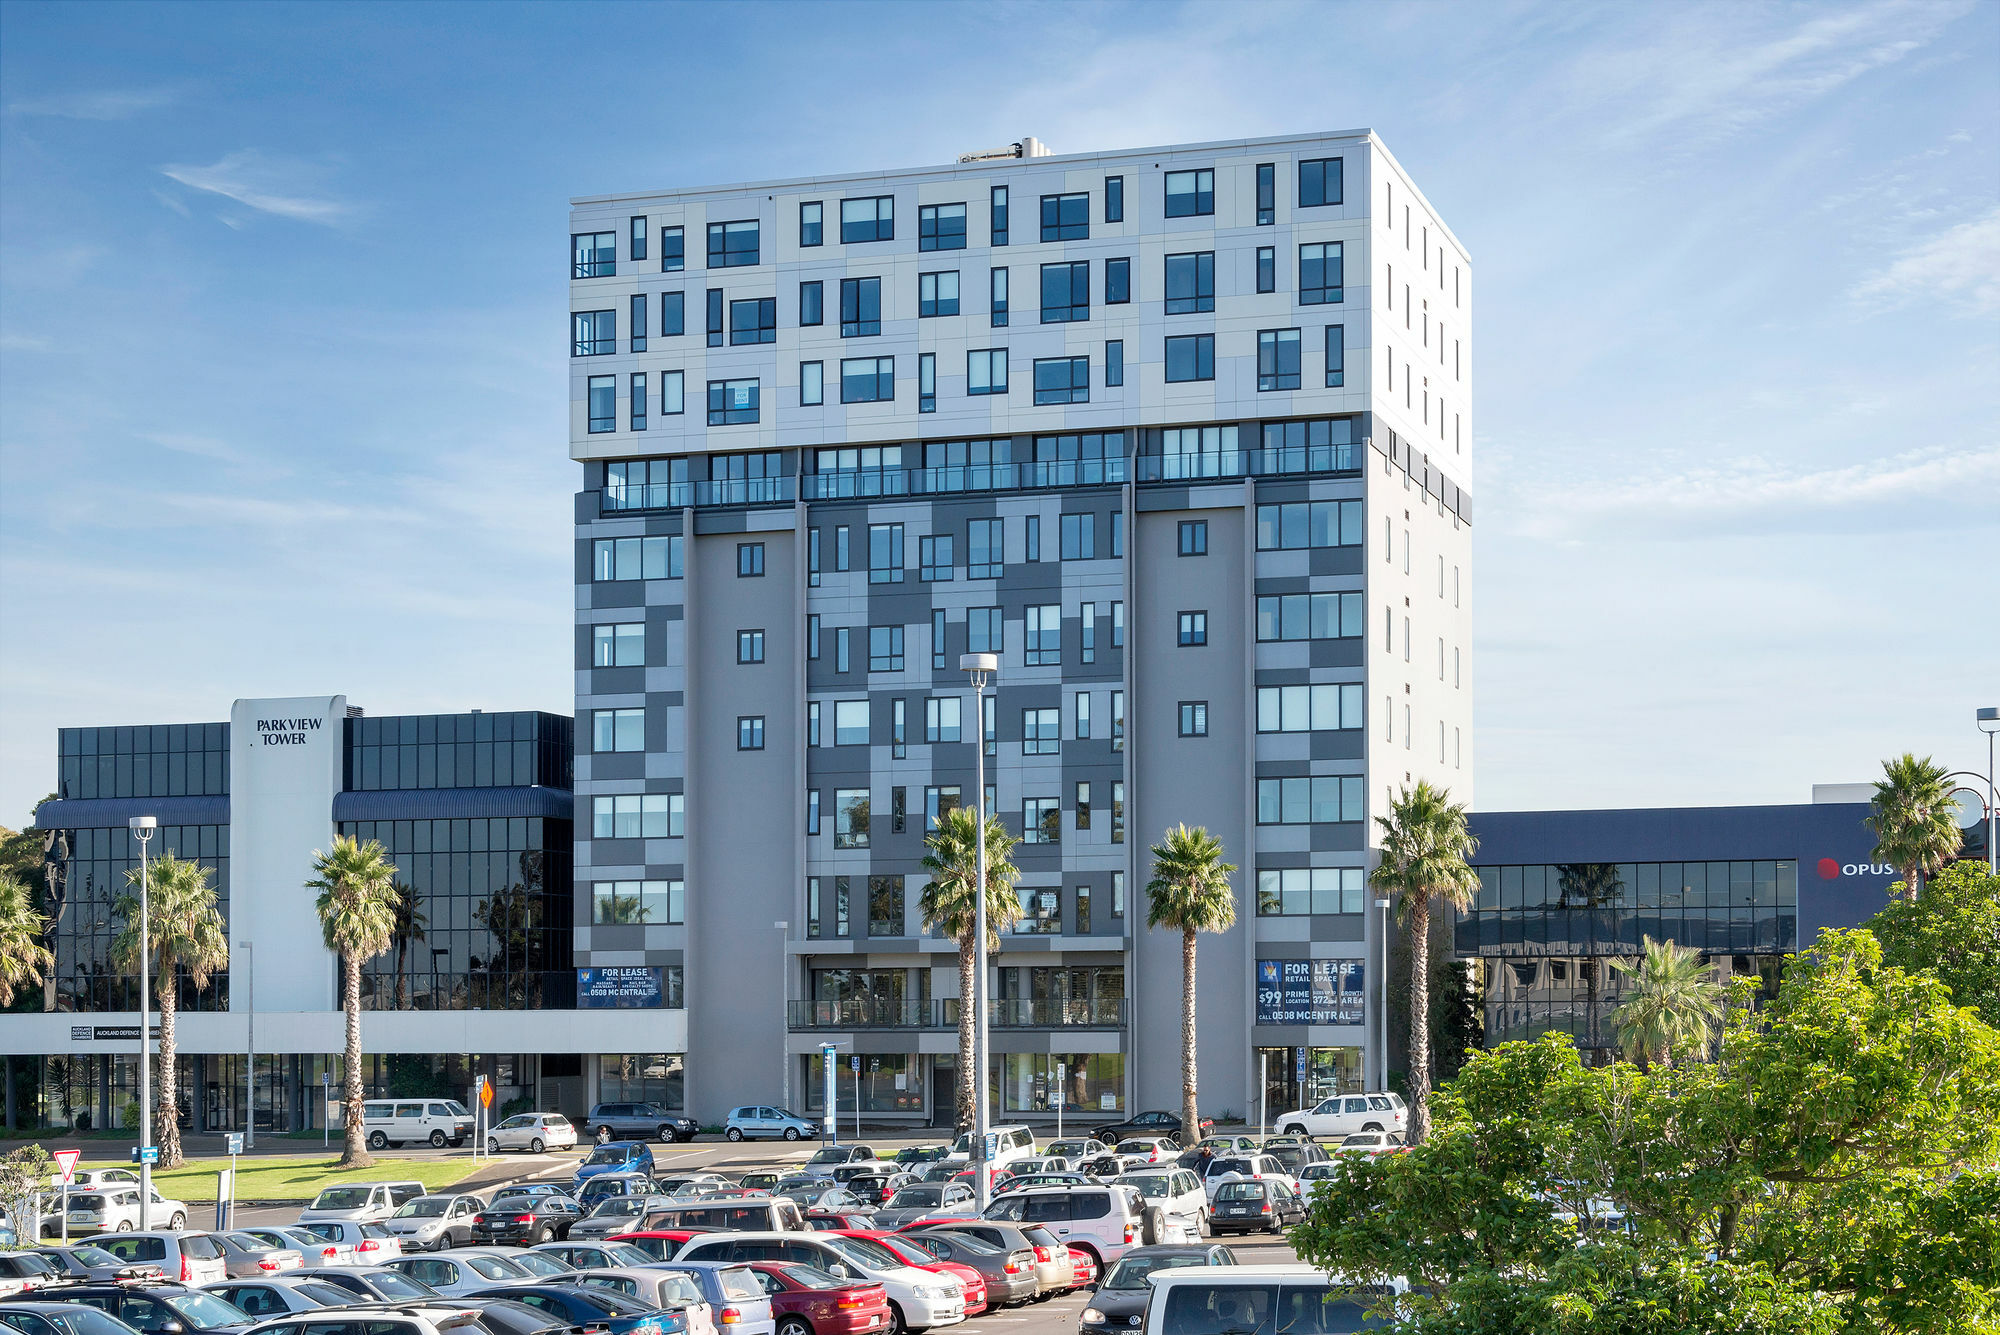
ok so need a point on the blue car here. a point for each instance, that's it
(617, 1156)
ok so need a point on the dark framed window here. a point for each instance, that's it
(618, 730)
(638, 318)
(1296, 524)
(985, 554)
(885, 902)
(1324, 799)
(885, 553)
(749, 559)
(593, 254)
(885, 648)
(1191, 282)
(1114, 362)
(750, 732)
(870, 219)
(1267, 193)
(812, 387)
(812, 223)
(1043, 631)
(1193, 632)
(1190, 194)
(638, 242)
(1194, 718)
(997, 296)
(927, 382)
(1319, 274)
(986, 371)
(1309, 616)
(842, 637)
(672, 402)
(1117, 281)
(1062, 380)
(941, 227)
(732, 402)
(1041, 823)
(1114, 199)
(753, 321)
(749, 646)
(593, 333)
(1267, 268)
(998, 215)
(1031, 538)
(812, 303)
(673, 250)
(938, 646)
(715, 317)
(1194, 537)
(1277, 359)
(1319, 182)
(1065, 217)
(937, 294)
(1336, 356)
(1191, 357)
(1079, 537)
(1041, 732)
(985, 630)
(1065, 292)
(601, 403)
(860, 307)
(934, 557)
(673, 314)
(867, 379)
(732, 244)
(639, 401)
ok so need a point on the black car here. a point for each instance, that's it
(1122, 1291)
(155, 1308)
(45, 1318)
(912, 1155)
(1294, 1159)
(499, 1316)
(1164, 1125)
(1245, 1205)
(871, 1185)
(527, 1222)
(375, 1283)
(598, 1309)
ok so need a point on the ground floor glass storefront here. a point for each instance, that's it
(653, 1077)
(1326, 1072)
(1021, 1084)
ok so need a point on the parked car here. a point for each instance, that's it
(80, 1260)
(1066, 1155)
(536, 1262)
(594, 1255)
(532, 1132)
(1163, 1125)
(754, 1120)
(503, 1316)
(371, 1244)
(436, 1317)
(912, 1156)
(603, 1186)
(1025, 1180)
(156, 1308)
(438, 1122)
(1009, 1277)
(1263, 1297)
(1054, 1272)
(1153, 1149)
(839, 1221)
(527, 1222)
(671, 1290)
(873, 1183)
(1177, 1193)
(115, 1209)
(191, 1258)
(248, 1257)
(459, 1274)
(1232, 1144)
(919, 1298)
(618, 1156)
(1120, 1299)
(1245, 1205)
(616, 1214)
(1086, 1268)
(377, 1284)
(926, 1200)
(970, 1281)
(734, 1295)
(1345, 1114)
(432, 1223)
(814, 1193)
(758, 1181)
(1295, 1158)
(1368, 1144)
(828, 1157)
(699, 1184)
(806, 1300)
(751, 1214)
(23, 1272)
(314, 1251)
(1101, 1220)
(275, 1295)
(1254, 1166)
(1112, 1164)
(29, 1315)
(641, 1121)
(359, 1202)
(1011, 1144)
(596, 1310)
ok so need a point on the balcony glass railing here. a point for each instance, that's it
(675, 495)
(871, 482)
(1344, 458)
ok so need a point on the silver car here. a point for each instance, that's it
(278, 1295)
(247, 1256)
(927, 1200)
(432, 1223)
(461, 1273)
(617, 1214)
(315, 1252)
(83, 1261)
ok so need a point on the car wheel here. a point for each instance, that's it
(535, 1146)
(791, 1133)
(733, 1133)
(178, 1222)
(438, 1139)
(1202, 1228)
(124, 1226)
(791, 1325)
(456, 1141)
(377, 1141)
(1372, 1126)
(493, 1144)
(897, 1326)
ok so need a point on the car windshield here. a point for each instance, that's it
(624, 1253)
(1069, 1149)
(88, 1255)
(81, 1320)
(862, 1252)
(1149, 1185)
(1131, 1272)
(205, 1309)
(394, 1285)
(424, 1207)
(1240, 1191)
(617, 1206)
(607, 1154)
(913, 1198)
(541, 1263)
(341, 1198)
(831, 1154)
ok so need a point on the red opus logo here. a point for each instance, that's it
(1828, 869)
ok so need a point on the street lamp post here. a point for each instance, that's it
(981, 668)
(1989, 723)
(1382, 1001)
(142, 828)
(250, 1005)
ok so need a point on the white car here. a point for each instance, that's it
(1012, 1144)
(532, 1132)
(1178, 1194)
(1064, 1156)
(360, 1201)
(1103, 1220)
(1313, 1180)
(1227, 1168)
(1150, 1148)
(191, 1258)
(1344, 1114)
(372, 1243)
(924, 1298)
(1369, 1144)
(115, 1209)
(433, 1223)
(459, 1274)
(417, 1317)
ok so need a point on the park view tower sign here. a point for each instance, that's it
(285, 765)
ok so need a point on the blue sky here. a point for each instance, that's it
(282, 373)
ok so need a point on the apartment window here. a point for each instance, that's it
(593, 333)
(1336, 356)
(1277, 359)
(943, 719)
(732, 402)
(885, 906)
(1081, 808)
(593, 254)
(1044, 632)
(1193, 629)
(1041, 732)
(998, 297)
(850, 818)
(673, 314)
(638, 321)
(1081, 712)
(1041, 820)
(636, 558)
(1328, 708)
(1191, 282)
(1065, 217)
(1062, 380)
(899, 749)
(1319, 274)
(812, 387)
(1304, 891)
(618, 730)
(1114, 199)
(1267, 194)
(885, 648)
(749, 646)
(986, 371)
(1309, 616)
(1079, 537)
(1118, 720)
(1117, 894)
(812, 636)
(750, 732)
(926, 382)
(1065, 292)
(989, 732)
(638, 399)
(1117, 282)
(937, 640)
(602, 402)
(1118, 625)
(940, 800)
(636, 903)
(812, 723)
(639, 816)
(1118, 836)
(1191, 357)
(1194, 537)
(1297, 524)
(841, 910)
(1190, 194)
(753, 321)
(984, 550)
(673, 400)
(622, 644)
(1318, 800)
(872, 219)
(1031, 538)
(860, 307)
(1409, 730)
(885, 553)
(732, 244)
(941, 227)
(867, 379)
(749, 559)
(812, 303)
(937, 294)
(998, 215)
(715, 317)
(850, 723)
(1194, 718)
(1319, 182)
(673, 250)
(1267, 268)
(812, 828)
(812, 223)
(1114, 362)
(934, 557)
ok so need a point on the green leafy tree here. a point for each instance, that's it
(357, 913)
(24, 1174)
(1836, 1169)
(1953, 931)
(185, 932)
(1425, 847)
(24, 960)
(1190, 893)
(1913, 819)
(949, 902)
(1671, 1007)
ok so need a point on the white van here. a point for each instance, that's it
(1197, 1300)
(438, 1122)
(1015, 1143)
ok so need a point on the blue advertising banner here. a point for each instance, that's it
(618, 987)
(1310, 991)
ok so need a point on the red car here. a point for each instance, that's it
(910, 1254)
(1085, 1266)
(807, 1301)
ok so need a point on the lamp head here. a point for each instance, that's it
(1989, 719)
(142, 827)
(1381, 903)
(988, 663)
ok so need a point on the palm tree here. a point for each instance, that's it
(1425, 847)
(950, 904)
(23, 957)
(357, 912)
(1671, 1006)
(186, 932)
(410, 924)
(1915, 824)
(1190, 893)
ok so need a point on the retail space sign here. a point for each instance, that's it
(619, 987)
(1310, 991)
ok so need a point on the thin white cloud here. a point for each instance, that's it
(268, 184)
(108, 104)
(1960, 266)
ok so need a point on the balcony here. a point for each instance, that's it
(869, 483)
(1343, 458)
(679, 495)
(1108, 1013)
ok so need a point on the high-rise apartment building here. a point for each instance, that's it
(1181, 434)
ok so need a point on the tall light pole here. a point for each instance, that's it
(1382, 1006)
(142, 828)
(250, 1005)
(981, 667)
(1989, 723)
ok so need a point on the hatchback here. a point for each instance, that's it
(926, 1200)
(618, 1156)
(532, 1132)
(114, 1210)
(1009, 1277)
(1119, 1302)
(431, 1223)
(159, 1309)
(314, 1250)
(372, 1243)
(806, 1300)
(1247, 1205)
(754, 1120)
(191, 1258)
(671, 1290)
(734, 1295)
(437, 1317)
(248, 1257)
(276, 1295)
(1054, 1272)
(21, 1272)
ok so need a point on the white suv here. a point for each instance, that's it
(1103, 1221)
(1344, 1114)
(1178, 1194)
(1012, 1143)
(1194, 1300)
(115, 1209)
(360, 1202)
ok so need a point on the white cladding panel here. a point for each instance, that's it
(284, 769)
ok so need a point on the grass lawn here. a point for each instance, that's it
(294, 1177)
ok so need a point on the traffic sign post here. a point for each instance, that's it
(225, 1187)
(485, 1118)
(66, 1174)
(854, 1065)
(325, 1117)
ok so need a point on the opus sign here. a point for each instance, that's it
(1832, 869)
(1310, 991)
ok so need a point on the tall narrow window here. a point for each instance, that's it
(1114, 362)
(885, 554)
(939, 655)
(1336, 356)
(1031, 539)
(602, 403)
(638, 322)
(927, 382)
(638, 238)
(1117, 281)
(999, 215)
(639, 401)
(715, 317)
(1118, 819)
(1267, 268)
(998, 298)
(840, 554)
(812, 387)
(812, 223)
(1114, 199)
(899, 744)
(672, 395)
(673, 250)
(1087, 622)
(1267, 194)
(673, 314)
(1082, 716)
(1118, 625)
(1118, 720)
(812, 303)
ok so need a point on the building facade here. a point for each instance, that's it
(1182, 435)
